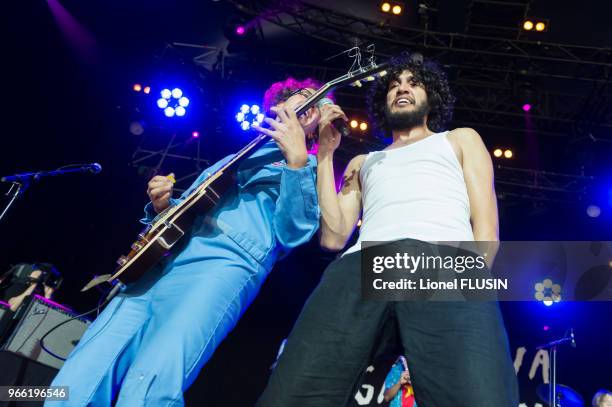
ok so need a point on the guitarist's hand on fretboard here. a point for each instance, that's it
(289, 131)
(159, 190)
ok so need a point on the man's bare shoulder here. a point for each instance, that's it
(357, 161)
(464, 135)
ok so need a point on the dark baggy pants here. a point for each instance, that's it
(457, 351)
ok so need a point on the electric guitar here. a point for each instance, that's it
(158, 238)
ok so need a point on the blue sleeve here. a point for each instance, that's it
(150, 213)
(296, 217)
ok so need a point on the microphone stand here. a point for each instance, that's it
(552, 369)
(17, 189)
(21, 182)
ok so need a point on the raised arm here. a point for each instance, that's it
(339, 211)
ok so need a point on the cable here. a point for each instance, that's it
(109, 297)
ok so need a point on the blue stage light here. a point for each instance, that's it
(184, 102)
(249, 116)
(166, 94)
(177, 93)
(173, 102)
(169, 112)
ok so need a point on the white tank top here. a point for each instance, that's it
(416, 191)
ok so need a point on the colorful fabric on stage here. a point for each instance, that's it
(405, 397)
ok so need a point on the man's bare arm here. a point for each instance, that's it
(478, 175)
(339, 212)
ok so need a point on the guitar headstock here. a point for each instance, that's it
(357, 74)
(360, 72)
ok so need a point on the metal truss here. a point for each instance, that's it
(345, 30)
(485, 70)
(180, 153)
(498, 18)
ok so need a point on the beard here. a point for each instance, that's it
(407, 120)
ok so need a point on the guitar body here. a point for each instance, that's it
(158, 238)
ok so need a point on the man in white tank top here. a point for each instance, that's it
(428, 185)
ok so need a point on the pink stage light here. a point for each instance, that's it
(195, 134)
(546, 327)
(240, 30)
(526, 107)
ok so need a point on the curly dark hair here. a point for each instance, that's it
(426, 73)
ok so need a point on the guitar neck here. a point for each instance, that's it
(261, 139)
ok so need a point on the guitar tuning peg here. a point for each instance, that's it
(382, 73)
(357, 84)
(369, 78)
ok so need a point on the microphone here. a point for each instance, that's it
(338, 123)
(573, 343)
(93, 168)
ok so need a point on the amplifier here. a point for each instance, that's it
(37, 318)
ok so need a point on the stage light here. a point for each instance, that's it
(251, 115)
(539, 24)
(526, 107)
(136, 128)
(497, 152)
(147, 89)
(508, 154)
(593, 211)
(137, 87)
(195, 134)
(162, 103)
(397, 10)
(363, 126)
(173, 102)
(354, 124)
(548, 292)
(240, 33)
(169, 112)
(546, 327)
(385, 7)
(177, 93)
(183, 102)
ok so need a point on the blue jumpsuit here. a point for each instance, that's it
(151, 341)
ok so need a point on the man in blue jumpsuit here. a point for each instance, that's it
(151, 341)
